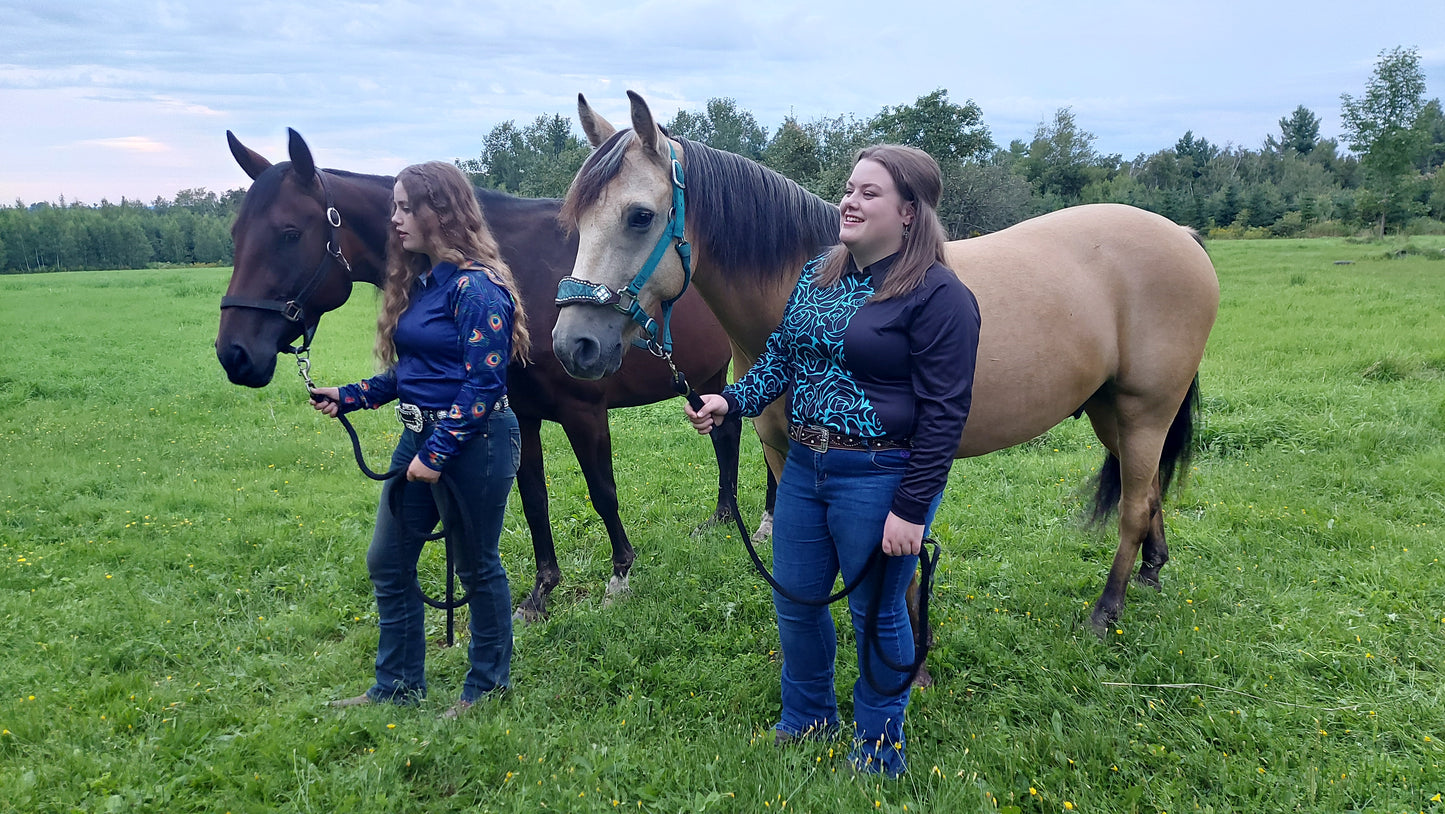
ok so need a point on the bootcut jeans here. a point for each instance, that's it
(830, 511)
(483, 472)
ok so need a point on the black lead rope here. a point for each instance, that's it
(928, 563)
(397, 508)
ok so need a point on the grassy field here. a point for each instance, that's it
(183, 587)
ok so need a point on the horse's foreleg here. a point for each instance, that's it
(726, 439)
(1139, 450)
(532, 487)
(1156, 550)
(592, 442)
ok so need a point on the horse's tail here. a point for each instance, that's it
(1178, 450)
(1198, 238)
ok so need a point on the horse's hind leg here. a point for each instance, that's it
(592, 442)
(1140, 441)
(764, 531)
(1155, 549)
(775, 458)
(915, 620)
(532, 487)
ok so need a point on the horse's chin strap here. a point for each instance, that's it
(295, 308)
(574, 291)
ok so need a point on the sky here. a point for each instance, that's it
(104, 100)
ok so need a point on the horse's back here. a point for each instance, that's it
(1074, 300)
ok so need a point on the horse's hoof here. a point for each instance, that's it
(923, 680)
(1149, 580)
(764, 531)
(1100, 623)
(529, 614)
(526, 617)
(617, 588)
(709, 524)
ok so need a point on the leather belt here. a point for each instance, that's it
(822, 439)
(417, 418)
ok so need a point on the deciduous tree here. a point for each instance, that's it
(1381, 125)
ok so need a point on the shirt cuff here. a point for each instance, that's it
(907, 508)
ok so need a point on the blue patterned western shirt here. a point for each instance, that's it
(453, 342)
(898, 368)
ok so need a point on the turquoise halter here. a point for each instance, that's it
(574, 291)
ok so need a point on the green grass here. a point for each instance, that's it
(183, 587)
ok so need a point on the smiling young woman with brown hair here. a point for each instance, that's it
(876, 352)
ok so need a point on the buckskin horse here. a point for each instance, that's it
(1101, 310)
(305, 235)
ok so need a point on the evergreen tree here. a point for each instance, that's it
(1300, 131)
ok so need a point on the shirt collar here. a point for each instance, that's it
(440, 273)
(878, 270)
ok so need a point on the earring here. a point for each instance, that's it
(906, 227)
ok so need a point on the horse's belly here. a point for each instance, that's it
(1015, 399)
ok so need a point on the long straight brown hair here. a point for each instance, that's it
(920, 182)
(451, 223)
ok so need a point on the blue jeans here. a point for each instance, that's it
(830, 512)
(482, 471)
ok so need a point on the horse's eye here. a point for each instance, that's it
(291, 235)
(641, 219)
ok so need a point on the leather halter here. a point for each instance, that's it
(295, 309)
(576, 291)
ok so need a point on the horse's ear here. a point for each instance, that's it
(251, 161)
(301, 161)
(642, 123)
(598, 129)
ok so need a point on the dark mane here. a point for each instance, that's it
(374, 231)
(751, 219)
(263, 191)
(747, 217)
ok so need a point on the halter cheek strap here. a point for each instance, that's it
(576, 291)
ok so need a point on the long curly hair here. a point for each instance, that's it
(919, 181)
(451, 222)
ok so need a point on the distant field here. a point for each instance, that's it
(183, 587)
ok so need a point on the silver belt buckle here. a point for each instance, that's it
(410, 417)
(815, 432)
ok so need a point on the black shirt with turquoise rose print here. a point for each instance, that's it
(899, 368)
(453, 342)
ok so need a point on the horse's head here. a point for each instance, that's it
(620, 206)
(290, 262)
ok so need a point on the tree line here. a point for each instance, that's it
(1382, 174)
(1386, 173)
(195, 227)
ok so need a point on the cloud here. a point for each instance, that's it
(376, 84)
(129, 144)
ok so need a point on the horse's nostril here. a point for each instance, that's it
(233, 358)
(585, 351)
(241, 367)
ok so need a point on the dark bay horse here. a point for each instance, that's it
(1101, 309)
(282, 233)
